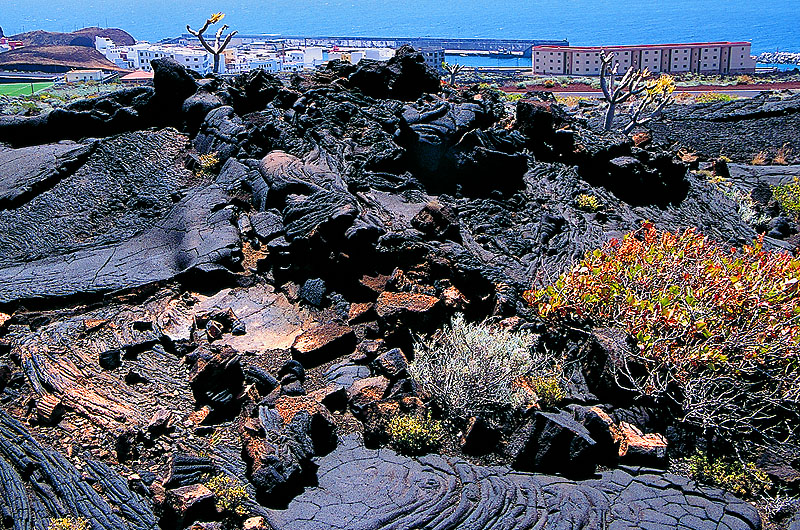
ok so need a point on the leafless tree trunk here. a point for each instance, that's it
(219, 43)
(618, 91)
(452, 71)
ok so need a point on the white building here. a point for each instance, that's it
(139, 56)
(195, 59)
(76, 76)
(119, 55)
(378, 54)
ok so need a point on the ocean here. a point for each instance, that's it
(769, 24)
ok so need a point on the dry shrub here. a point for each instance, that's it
(760, 159)
(475, 369)
(720, 325)
(782, 156)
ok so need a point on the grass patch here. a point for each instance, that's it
(22, 89)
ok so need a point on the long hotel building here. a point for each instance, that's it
(703, 57)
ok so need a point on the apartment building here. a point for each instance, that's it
(434, 57)
(703, 57)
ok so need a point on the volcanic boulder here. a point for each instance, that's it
(405, 76)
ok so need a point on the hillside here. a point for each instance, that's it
(55, 58)
(239, 303)
(81, 37)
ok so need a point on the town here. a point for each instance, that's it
(130, 61)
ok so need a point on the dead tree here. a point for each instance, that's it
(219, 44)
(658, 94)
(452, 70)
(619, 91)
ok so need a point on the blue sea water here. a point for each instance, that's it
(769, 24)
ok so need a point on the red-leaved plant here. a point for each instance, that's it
(723, 323)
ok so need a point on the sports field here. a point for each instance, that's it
(22, 89)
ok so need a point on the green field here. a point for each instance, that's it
(21, 89)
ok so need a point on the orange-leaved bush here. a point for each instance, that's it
(720, 322)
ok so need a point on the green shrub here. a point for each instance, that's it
(230, 494)
(788, 196)
(587, 203)
(411, 435)
(714, 97)
(743, 479)
(476, 369)
(69, 523)
(514, 96)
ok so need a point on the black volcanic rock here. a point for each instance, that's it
(57, 487)
(405, 76)
(173, 83)
(113, 222)
(447, 493)
(738, 129)
(391, 215)
(124, 110)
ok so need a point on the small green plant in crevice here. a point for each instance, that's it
(69, 523)
(548, 390)
(587, 203)
(209, 163)
(788, 196)
(411, 435)
(747, 208)
(230, 494)
(740, 478)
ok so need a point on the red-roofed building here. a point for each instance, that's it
(138, 77)
(700, 57)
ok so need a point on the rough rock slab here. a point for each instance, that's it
(27, 170)
(38, 484)
(366, 489)
(272, 322)
(119, 214)
(738, 129)
(191, 235)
